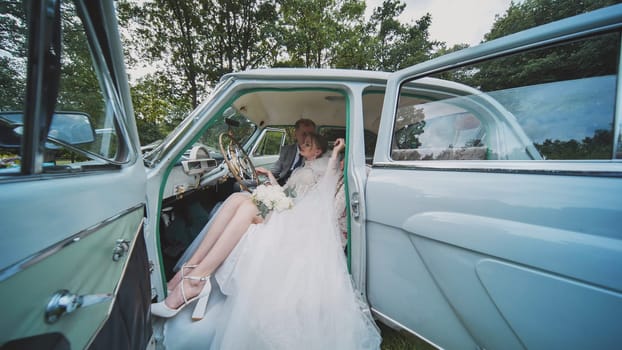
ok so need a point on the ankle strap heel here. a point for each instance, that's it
(201, 307)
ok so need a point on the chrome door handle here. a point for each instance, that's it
(121, 247)
(65, 302)
(354, 205)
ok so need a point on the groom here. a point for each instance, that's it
(289, 158)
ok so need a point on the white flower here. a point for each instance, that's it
(268, 198)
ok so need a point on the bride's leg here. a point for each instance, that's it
(225, 215)
(229, 208)
(245, 215)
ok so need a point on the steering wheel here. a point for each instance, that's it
(238, 162)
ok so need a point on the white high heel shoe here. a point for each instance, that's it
(182, 269)
(162, 310)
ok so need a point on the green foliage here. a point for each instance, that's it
(159, 106)
(79, 87)
(270, 144)
(313, 30)
(400, 45)
(596, 147)
(530, 13)
(13, 40)
(13, 86)
(196, 42)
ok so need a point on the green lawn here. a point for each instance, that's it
(394, 340)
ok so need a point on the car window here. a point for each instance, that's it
(270, 143)
(553, 103)
(332, 133)
(84, 129)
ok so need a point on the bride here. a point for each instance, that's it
(285, 285)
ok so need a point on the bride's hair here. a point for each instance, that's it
(319, 141)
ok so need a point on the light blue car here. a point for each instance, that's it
(484, 187)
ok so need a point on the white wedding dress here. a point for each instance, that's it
(286, 284)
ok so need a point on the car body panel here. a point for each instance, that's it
(458, 231)
(83, 265)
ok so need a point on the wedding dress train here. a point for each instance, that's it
(284, 286)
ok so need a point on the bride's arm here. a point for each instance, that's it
(339, 145)
(268, 173)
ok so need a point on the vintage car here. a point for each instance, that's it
(484, 187)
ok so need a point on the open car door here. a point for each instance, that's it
(493, 205)
(73, 263)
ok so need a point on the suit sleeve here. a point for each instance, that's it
(277, 168)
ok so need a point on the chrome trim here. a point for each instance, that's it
(63, 302)
(604, 168)
(36, 257)
(391, 322)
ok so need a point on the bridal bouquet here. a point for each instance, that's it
(268, 198)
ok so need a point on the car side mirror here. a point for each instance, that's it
(72, 128)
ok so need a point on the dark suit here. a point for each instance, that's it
(280, 169)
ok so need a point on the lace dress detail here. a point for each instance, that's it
(306, 177)
(340, 211)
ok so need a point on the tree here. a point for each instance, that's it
(399, 45)
(159, 106)
(196, 42)
(79, 87)
(309, 31)
(191, 44)
(12, 55)
(532, 13)
(244, 32)
(354, 44)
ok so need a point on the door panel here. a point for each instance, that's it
(402, 290)
(488, 256)
(83, 265)
(72, 194)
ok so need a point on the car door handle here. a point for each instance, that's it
(64, 302)
(354, 205)
(121, 247)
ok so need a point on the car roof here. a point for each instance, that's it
(312, 74)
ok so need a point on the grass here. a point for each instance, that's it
(400, 340)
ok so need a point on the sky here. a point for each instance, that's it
(453, 21)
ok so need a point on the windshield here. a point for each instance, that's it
(242, 128)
